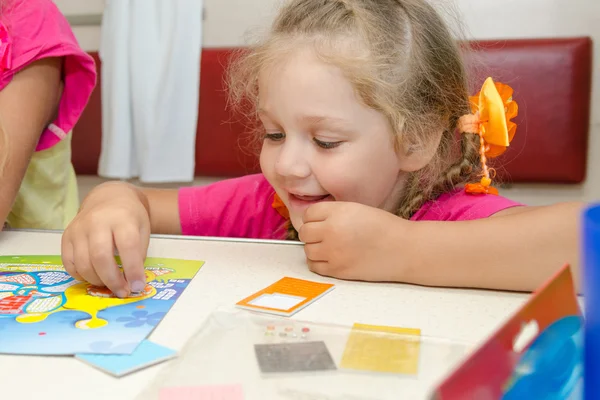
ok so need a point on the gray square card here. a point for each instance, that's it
(293, 357)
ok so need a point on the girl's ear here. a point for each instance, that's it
(413, 157)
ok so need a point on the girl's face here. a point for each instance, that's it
(321, 142)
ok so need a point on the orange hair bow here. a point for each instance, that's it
(493, 108)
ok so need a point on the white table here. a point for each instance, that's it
(234, 270)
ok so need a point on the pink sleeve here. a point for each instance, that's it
(239, 207)
(32, 30)
(460, 206)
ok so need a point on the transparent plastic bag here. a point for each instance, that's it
(223, 353)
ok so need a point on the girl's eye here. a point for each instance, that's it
(274, 136)
(326, 145)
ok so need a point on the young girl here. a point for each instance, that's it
(45, 83)
(358, 103)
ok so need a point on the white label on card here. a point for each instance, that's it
(277, 301)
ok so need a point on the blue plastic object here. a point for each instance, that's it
(551, 368)
(591, 289)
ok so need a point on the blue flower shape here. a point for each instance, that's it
(141, 318)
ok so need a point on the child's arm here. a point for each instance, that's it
(160, 205)
(27, 105)
(517, 249)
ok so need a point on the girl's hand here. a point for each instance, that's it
(353, 241)
(113, 217)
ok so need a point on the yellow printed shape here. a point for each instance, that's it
(382, 349)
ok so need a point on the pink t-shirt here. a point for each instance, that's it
(31, 30)
(241, 208)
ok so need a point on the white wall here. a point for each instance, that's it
(227, 22)
(88, 36)
(80, 6)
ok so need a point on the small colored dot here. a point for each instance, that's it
(140, 306)
(42, 333)
(289, 329)
(282, 334)
(305, 330)
(270, 328)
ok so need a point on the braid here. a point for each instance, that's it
(465, 168)
(417, 194)
(413, 197)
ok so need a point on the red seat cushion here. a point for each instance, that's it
(222, 142)
(551, 79)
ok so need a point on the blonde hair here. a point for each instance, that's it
(402, 60)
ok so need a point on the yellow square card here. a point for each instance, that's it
(382, 349)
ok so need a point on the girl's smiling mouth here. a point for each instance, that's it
(303, 201)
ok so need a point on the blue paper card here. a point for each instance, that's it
(145, 355)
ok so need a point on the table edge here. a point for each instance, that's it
(183, 237)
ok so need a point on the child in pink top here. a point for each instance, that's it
(45, 83)
(359, 104)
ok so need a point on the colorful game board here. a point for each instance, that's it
(43, 310)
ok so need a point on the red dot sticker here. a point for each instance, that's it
(42, 333)
(305, 330)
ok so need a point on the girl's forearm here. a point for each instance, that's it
(509, 252)
(161, 205)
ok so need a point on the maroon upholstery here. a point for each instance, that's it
(551, 78)
(87, 133)
(552, 83)
(222, 140)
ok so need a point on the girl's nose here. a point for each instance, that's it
(292, 161)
